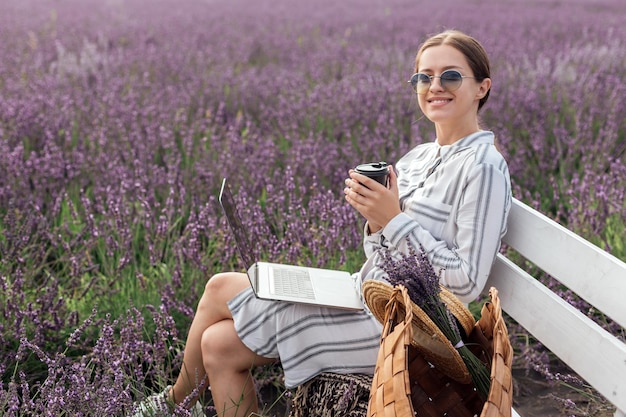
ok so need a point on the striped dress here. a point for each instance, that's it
(455, 201)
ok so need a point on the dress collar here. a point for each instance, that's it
(472, 140)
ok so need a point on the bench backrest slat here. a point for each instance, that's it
(592, 352)
(595, 275)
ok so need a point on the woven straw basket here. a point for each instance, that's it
(332, 395)
(438, 390)
(390, 395)
(426, 336)
(492, 327)
(433, 393)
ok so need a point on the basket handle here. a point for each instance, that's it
(400, 295)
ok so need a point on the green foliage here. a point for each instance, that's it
(612, 237)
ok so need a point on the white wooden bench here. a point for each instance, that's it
(593, 274)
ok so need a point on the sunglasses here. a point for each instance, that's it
(450, 80)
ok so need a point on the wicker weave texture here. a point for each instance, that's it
(500, 399)
(391, 386)
(427, 337)
(332, 395)
(434, 394)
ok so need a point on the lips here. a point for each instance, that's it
(439, 100)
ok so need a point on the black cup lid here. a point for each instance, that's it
(372, 168)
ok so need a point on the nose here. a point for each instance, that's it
(435, 84)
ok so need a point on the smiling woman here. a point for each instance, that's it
(451, 78)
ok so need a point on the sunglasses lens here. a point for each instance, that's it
(420, 82)
(451, 80)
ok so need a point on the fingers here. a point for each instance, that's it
(358, 186)
(351, 192)
(393, 178)
(351, 184)
(366, 183)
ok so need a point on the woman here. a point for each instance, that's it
(451, 196)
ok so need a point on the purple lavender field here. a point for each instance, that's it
(118, 119)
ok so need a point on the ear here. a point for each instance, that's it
(483, 88)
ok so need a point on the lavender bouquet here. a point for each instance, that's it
(415, 272)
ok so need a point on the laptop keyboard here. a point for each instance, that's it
(293, 283)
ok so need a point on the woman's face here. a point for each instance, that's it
(444, 107)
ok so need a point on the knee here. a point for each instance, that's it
(214, 289)
(216, 347)
(218, 282)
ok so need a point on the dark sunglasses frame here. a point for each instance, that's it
(450, 80)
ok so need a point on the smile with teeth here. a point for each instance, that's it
(440, 100)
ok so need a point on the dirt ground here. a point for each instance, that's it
(535, 397)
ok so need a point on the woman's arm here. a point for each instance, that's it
(480, 222)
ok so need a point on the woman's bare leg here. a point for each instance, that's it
(212, 308)
(228, 362)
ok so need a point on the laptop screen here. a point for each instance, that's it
(239, 232)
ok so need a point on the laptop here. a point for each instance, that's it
(297, 284)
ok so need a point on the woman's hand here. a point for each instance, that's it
(377, 203)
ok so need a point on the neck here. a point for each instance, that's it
(447, 134)
(450, 136)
